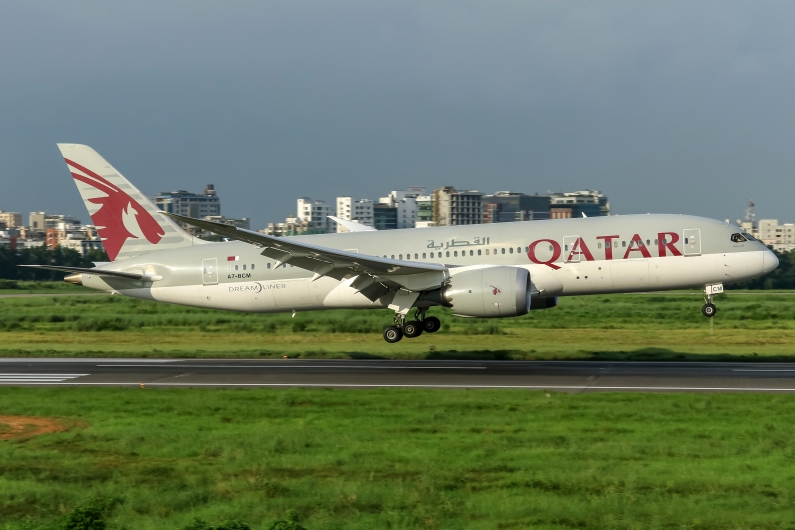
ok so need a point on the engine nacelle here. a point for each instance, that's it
(489, 292)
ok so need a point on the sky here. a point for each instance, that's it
(666, 107)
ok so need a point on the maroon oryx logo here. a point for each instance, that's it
(495, 290)
(109, 219)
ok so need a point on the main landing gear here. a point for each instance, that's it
(412, 328)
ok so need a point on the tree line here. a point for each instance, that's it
(781, 278)
(11, 258)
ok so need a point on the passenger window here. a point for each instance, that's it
(655, 242)
(598, 245)
(518, 250)
(623, 243)
(471, 253)
(526, 250)
(400, 256)
(235, 267)
(738, 238)
(607, 244)
(455, 253)
(423, 255)
(416, 256)
(269, 265)
(647, 242)
(487, 252)
(550, 248)
(252, 266)
(685, 241)
(244, 267)
(478, 252)
(393, 256)
(565, 247)
(510, 250)
(447, 253)
(431, 254)
(502, 251)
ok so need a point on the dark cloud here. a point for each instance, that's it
(677, 107)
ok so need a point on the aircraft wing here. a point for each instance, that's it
(376, 275)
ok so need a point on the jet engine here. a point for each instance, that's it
(489, 292)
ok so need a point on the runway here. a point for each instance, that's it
(561, 376)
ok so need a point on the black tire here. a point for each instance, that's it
(709, 310)
(412, 328)
(392, 334)
(431, 325)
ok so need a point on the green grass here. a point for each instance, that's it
(653, 327)
(405, 459)
(32, 287)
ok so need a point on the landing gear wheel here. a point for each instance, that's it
(709, 310)
(431, 324)
(392, 334)
(412, 328)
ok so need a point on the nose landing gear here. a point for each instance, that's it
(708, 309)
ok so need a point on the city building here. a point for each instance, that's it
(244, 222)
(292, 226)
(780, 236)
(576, 203)
(509, 206)
(424, 211)
(384, 217)
(11, 219)
(405, 204)
(182, 202)
(316, 214)
(41, 221)
(360, 210)
(453, 207)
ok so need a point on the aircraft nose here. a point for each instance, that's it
(769, 262)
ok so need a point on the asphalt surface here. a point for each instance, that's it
(562, 376)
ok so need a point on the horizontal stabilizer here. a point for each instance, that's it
(352, 226)
(98, 272)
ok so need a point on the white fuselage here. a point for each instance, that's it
(564, 257)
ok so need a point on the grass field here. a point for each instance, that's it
(403, 459)
(656, 326)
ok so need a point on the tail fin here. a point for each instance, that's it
(127, 222)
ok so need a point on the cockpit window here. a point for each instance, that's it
(738, 238)
(748, 236)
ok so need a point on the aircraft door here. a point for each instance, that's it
(571, 254)
(691, 239)
(210, 271)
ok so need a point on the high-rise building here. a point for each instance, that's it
(360, 210)
(509, 206)
(405, 204)
(315, 213)
(11, 219)
(779, 236)
(385, 217)
(42, 221)
(189, 204)
(453, 207)
(424, 211)
(576, 203)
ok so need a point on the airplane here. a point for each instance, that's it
(499, 270)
